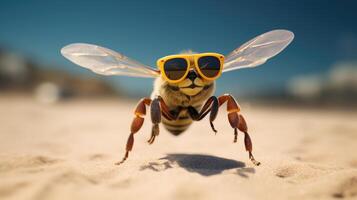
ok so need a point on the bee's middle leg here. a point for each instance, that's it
(158, 108)
(155, 112)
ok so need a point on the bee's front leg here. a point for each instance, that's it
(211, 106)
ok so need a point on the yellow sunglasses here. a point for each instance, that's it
(174, 68)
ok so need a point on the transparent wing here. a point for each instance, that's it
(105, 61)
(258, 50)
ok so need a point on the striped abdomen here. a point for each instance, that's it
(178, 126)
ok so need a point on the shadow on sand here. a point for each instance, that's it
(204, 165)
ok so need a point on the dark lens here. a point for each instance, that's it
(175, 68)
(209, 66)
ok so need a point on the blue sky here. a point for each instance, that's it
(325, 33)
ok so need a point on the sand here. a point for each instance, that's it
(68, 151)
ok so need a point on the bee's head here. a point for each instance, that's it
(191, 90)
(192, 84)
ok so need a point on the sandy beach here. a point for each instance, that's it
(68, 150)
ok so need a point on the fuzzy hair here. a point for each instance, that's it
(187, 51)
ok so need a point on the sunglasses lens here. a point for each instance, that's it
(175, 68)
(209, 66)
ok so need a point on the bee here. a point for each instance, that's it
(184, 83)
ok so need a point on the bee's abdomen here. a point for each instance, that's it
(176, 127)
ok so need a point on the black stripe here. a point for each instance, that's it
(183, 120)
(176, 132)
(176, 127)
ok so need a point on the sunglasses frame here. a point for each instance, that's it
(161, 62)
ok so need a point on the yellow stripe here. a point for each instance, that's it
(139, 115)
(234, 110)
(175, 126)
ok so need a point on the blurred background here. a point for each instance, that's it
(318, 68)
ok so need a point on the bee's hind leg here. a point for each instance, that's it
(137, 123)
(237, 121)
(242, 126)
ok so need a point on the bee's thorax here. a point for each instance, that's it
(178, 101)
